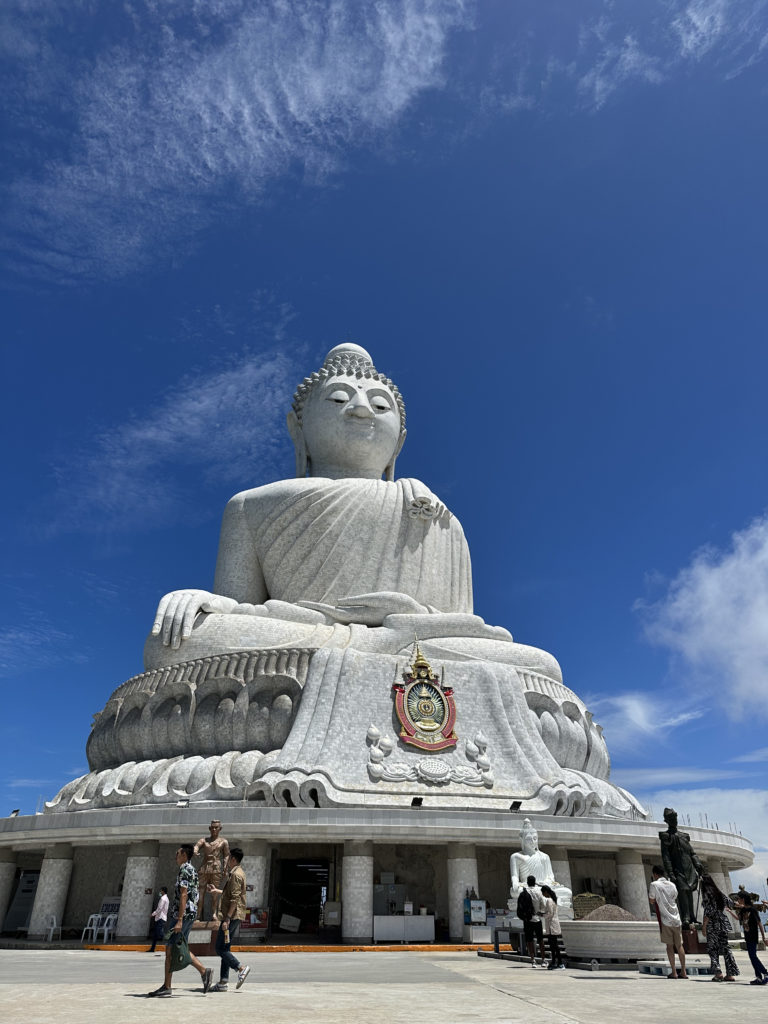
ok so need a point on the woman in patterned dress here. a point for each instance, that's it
(715, 928)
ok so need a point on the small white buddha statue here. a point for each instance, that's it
(530, 860)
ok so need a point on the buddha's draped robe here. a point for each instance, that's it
(332, 539)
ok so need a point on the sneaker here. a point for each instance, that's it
(161, 992)
(220, 987)
(561, 967)
(242, 974)
(207, 979)
(757, 981)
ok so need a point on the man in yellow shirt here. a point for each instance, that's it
(232, 909)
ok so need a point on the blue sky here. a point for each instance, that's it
(546, 221)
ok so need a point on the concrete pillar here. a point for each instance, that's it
(722, 880)
(633, 891)
(7, 875)
(52, 889)
(255, 865)
(357, 893)
(462, 875)
(715, 869)
(137, 900)
(561, 866)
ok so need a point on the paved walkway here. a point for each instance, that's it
(90, 986)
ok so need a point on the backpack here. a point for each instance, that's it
(524, 905)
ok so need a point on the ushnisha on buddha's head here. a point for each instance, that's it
(348, 420)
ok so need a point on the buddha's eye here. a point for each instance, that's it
(380, 404)
(340, 397)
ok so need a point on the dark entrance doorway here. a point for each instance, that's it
(301, 889)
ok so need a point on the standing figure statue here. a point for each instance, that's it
(530, 860)
(215, 851)
(681, 864)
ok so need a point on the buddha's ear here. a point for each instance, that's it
(389, 469)
(297, 436)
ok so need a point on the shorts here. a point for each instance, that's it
(186, 925)
(533, 930)
(672, 935)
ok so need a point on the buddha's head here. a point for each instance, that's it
(348, 420)
(529, 838)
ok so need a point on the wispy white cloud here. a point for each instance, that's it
(33, 645)
(186, 109)
(584, 56)
(700, 25)
(228, 424)
(713, 620)
(28, 783)
(635, 778)
(617, 64)
(631, 720)
(753, 757)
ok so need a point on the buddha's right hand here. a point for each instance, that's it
(178, 610)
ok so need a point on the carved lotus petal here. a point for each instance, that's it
(373, 734)
(376, 754)
(386, 744)
(375, 771)
(484, 762)
(471, 750)
(481, 740)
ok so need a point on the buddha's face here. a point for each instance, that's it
(215, 828)
(351, 427)
(530, 842)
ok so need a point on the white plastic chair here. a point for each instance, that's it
(92, 928)
(107, 926)
(51, 928)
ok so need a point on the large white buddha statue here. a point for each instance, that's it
(277, 685)
(530, 860)
(338, 557)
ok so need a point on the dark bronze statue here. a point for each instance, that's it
(681, 865)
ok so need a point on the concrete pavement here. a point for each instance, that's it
(84, 986)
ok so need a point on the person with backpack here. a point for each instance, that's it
(530, 906)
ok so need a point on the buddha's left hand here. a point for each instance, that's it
(369, 609)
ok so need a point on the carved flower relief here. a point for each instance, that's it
(427, 509)
(432, 770)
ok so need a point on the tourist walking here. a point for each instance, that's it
(159, 918)
(751, 923)
(551, 926)
(715, 928)
(183, 913)
(530, 906)
(663, 895)
(231, 900)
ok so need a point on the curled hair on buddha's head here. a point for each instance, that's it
(345, 360)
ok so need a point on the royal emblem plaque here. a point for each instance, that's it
(425, 707)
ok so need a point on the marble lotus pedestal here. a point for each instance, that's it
(289, 729)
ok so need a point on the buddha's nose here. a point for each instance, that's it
(360, 406)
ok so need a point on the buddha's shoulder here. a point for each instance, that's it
(280, 491)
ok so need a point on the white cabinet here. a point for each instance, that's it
(399, 928)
